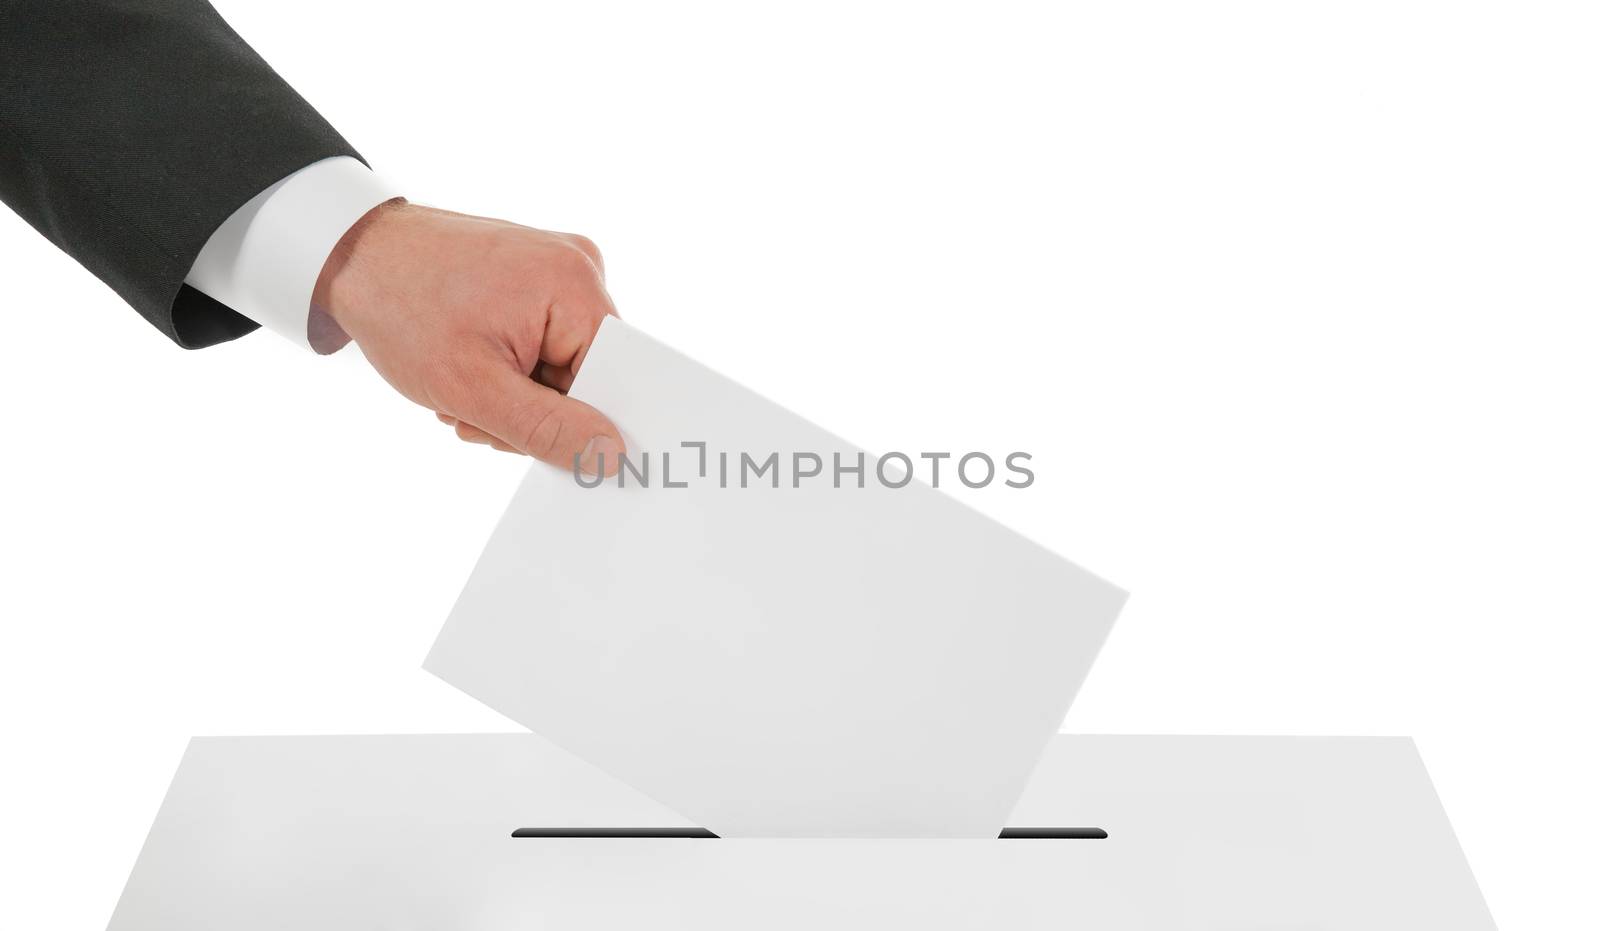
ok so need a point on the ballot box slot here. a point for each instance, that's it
(698, 833)
(703, 834)
(1053, 834)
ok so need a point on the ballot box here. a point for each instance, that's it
(490, 832)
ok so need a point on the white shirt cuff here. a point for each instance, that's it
(265, 259)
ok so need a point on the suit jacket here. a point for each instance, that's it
(131, 129)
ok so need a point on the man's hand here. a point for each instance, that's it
(483, 321)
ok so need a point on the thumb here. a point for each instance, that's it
(545, 423)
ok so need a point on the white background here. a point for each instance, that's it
(1294, 305)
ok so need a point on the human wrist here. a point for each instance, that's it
(348, 277)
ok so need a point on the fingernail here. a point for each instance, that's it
(601, 456)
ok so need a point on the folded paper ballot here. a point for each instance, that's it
(753, 626)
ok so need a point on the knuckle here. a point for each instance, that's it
(576, 262)
(586, 246)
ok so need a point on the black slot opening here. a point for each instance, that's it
(1053, 834)
(703, 834)
(613, 832)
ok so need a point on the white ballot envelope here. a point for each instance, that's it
(831, 656)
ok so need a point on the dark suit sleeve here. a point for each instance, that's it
(131, 129)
